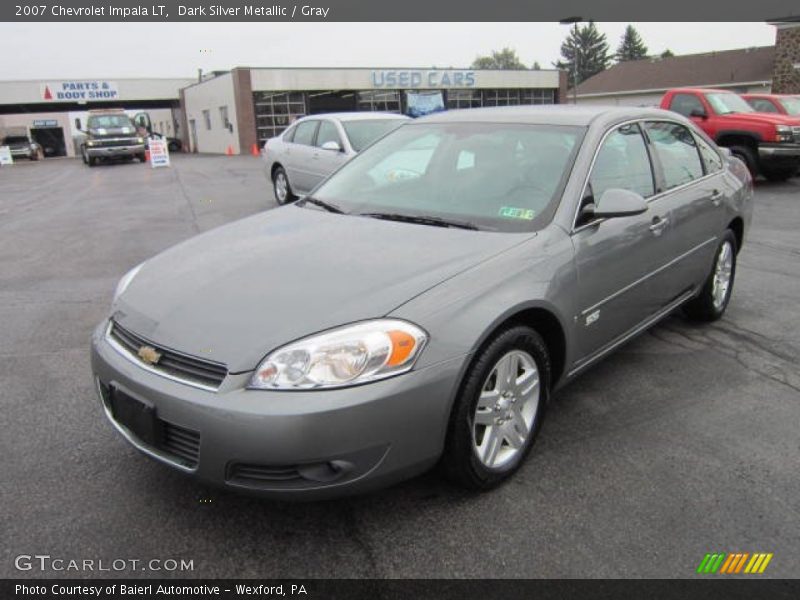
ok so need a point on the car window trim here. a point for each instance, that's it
(652, 198)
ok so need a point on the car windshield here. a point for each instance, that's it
(726, 103)
(362, 133)
(110, 122)
(495, 176)
(15, 139)
(792, 105)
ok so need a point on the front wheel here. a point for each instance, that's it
(748, 156)
(713, 299)
(281, 187)
(499, 410)
(142, 157)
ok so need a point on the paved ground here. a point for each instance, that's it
(685, 441)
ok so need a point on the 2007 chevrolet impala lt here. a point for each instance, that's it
(422, 305)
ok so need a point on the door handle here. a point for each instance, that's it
(716, 197)
(658, 225)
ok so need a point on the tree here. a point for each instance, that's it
(631, 46)
(536, 66)
(587, 47)
(667, 53)
(506, 59)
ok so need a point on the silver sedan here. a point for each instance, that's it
(314, 147)
(425, 303)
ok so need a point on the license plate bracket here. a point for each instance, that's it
(137, 416)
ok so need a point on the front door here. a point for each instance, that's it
(616, 257)
(326, 161)
(300, 167)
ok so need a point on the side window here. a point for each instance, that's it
(622, 162)
(684, 104)
(711, 159)
(677, 152)
(762, 105)
(304, 134)
(327, 133)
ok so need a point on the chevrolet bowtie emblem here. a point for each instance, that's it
(149, 355)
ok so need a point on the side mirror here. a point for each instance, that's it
(698, 113)
(332, 146)
(616, 202)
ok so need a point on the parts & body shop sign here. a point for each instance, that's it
(80, 91)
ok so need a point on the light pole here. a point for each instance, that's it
(577, 61)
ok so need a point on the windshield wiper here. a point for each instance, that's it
(322, 204)
(421, 220)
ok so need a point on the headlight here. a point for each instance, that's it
(140, 140)
(125, 281)
(90, 143)
(344, 356)
(783, 133)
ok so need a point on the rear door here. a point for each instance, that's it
(692, 187)
(616, 258)
(324, 162)
(299, 167)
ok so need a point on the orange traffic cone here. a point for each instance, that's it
(229, 151)
(147, 155)
(254, 150)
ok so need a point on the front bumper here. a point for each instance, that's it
(298, 444)
(114, 151)
(21, 152)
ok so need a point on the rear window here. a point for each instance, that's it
(362, 133)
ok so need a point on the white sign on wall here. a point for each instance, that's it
(159, 152)
(5, 156)
(92, 90)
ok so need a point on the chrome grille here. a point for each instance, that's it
(796, 133)
(188, 369)
(111, 142)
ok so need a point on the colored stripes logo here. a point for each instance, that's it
(734, 563)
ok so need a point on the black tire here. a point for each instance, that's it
(748, 157)
(142, 157)
(703, 307)
(174, 147)
(460, 462)
(91, 161)
(281, 198)
(83, 155)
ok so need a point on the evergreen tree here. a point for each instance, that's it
(631, 46)
(667, 53)
(585, 52)
(499, 59)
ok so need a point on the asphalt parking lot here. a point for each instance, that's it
(686, 441)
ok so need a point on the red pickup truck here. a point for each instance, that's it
(768, 144)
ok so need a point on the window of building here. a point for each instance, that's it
(677, 152)
(223, 116)
(622, 162)
(275, 111)
(379, 100)
(207, 119)
(464, 98)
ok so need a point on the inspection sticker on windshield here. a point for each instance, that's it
(511, 212)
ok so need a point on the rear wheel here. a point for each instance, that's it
(499, 410)
(748, 157)
(713, 299)
(281, 187)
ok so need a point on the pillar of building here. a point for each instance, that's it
(786, 70)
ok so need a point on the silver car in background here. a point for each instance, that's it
(315, 146)
(424, 302)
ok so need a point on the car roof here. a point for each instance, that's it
(356, 116)
(547, 114)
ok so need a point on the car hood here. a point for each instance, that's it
(111, 132)
(237, 292)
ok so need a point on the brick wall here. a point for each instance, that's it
(786, 72)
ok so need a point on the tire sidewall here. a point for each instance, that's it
(280, 172)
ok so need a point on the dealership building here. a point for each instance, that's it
(233, 111)
(246, 106)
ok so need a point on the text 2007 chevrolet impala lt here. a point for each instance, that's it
(424, 302)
